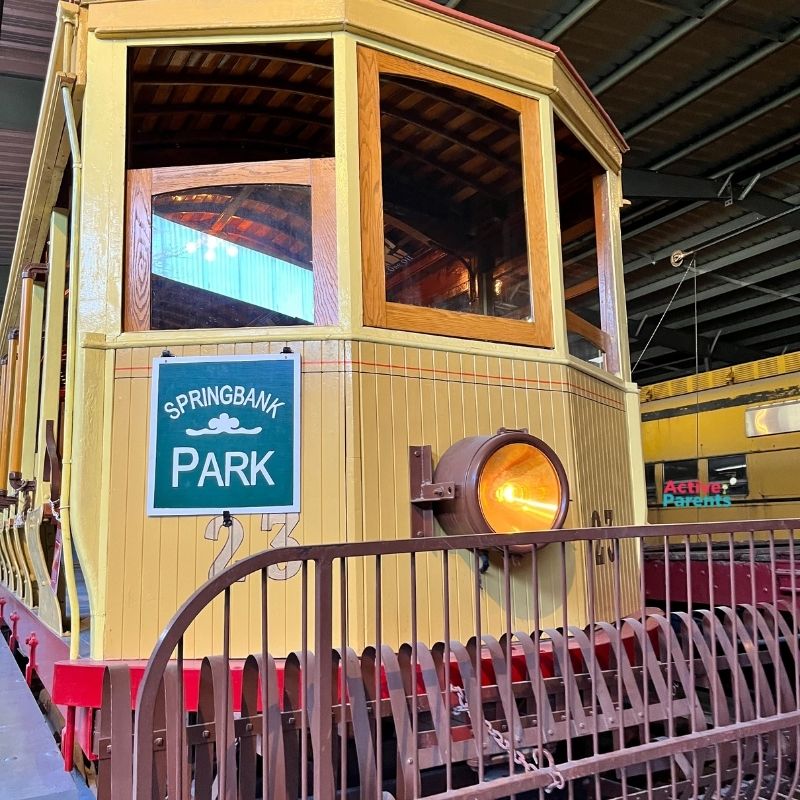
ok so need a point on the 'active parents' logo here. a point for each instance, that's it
(696, 494)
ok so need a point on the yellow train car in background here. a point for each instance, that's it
(725, 444)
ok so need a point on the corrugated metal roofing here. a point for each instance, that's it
(700, 88)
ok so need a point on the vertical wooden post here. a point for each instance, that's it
(8, 393)
(605, 269)
(15, 455)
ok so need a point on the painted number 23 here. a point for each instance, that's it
(279, 527)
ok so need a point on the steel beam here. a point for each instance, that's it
(774, 335)
(683, 341)
(724, 261)
(716, 80)
(645, 183)
(718, 133)
(740, 222)
(714, 292)
(577, 14)
(659, 45)
(766, 319)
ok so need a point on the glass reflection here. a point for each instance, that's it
(232, 256)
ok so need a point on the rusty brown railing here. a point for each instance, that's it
(594, 697)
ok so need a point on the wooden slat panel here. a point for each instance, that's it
(138, 251)
(537, 222)
(369, 144)
(598, 338)
(151, 531)
(174, 179)
(394, 65)
(323, 235)
(155, 563)
(467, 326)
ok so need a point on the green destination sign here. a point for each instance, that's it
(224, 435)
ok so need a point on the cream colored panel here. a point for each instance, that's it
(155, 563)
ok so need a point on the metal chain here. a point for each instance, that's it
(505, 745)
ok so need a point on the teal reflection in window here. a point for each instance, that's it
(206, 262)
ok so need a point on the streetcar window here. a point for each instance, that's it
(454, 228)
(650, 483)
(730, 471)
(232, 256)
(680, 471)
(231, 246)
(229, 151)
(588, 283)
(448, 252)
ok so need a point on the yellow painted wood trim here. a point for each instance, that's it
(7, 422)
(109, 517)
(366, 335)
(613, 191)
(506, 82)
(49, 608)
(582, 118)
(346, 142)
(102, 214)
(125, 18)
(633, 423)
(48, 159)
(427, 32)
(54, 324)
(21, 378)
(32, 387)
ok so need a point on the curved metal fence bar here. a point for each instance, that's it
(684, 682)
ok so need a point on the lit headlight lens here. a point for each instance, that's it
(519, 490)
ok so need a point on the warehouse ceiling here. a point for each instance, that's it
(26, 31)
(707, 93)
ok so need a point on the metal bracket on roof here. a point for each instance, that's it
(727, 190)
(747, 189)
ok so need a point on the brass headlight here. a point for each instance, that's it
(507, 483)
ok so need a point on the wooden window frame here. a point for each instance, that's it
(143, 184)
(382, 313)
(605, 338)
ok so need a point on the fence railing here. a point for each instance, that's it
(569, 680)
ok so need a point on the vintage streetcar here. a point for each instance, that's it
(317, 412)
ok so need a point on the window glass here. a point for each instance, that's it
(232, 256)
(731, 471)
(576, 171)
(680, 471)
(454, 210)
(650, 483)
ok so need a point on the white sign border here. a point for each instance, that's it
(152, 511)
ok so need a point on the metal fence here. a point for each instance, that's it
(686, 700)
